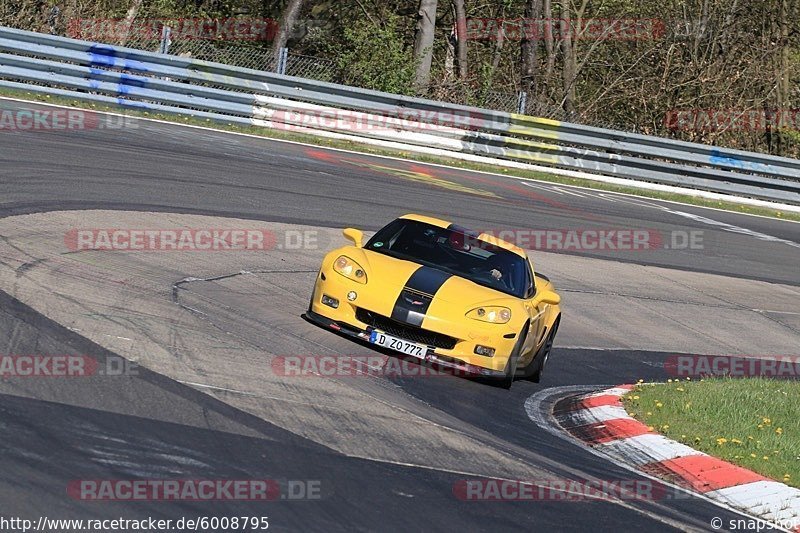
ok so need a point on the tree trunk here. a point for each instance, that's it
(569, 61)
(450, 58)
(423, 43)
(783, 87)
(530, 45)
(498, 49)
(549, 42)
(130, 16)
(461, 38)
(288, 20)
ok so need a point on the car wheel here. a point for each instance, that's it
(511, 366)
(541, 358)
(311, 301)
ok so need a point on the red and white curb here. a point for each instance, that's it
(600, 420)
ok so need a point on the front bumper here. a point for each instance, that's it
(466, 333)
(431, 356)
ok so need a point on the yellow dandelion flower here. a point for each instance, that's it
(659, 405)
(752, 455)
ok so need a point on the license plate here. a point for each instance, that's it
(399, 345)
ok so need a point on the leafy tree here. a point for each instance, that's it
(374, 56)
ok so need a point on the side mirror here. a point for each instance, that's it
(355, 236)
(550, 297)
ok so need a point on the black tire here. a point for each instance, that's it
(511, 366)
(311, 298)
(543, 355)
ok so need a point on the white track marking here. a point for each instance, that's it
(724, 226)
(582, 417)
(548, 188)
(548, 170)
(604, 413)
(616, 391)
(644, 449)
(605, 197)
(556, 189)
(573, 193)
(775, 501)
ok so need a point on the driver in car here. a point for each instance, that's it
(497, 269)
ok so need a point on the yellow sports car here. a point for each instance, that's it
(443, 294)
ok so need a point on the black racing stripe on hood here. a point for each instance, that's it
(417, 295)
(427, 280)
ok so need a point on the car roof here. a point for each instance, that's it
(500, 243)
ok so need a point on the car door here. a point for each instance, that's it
(535, 312)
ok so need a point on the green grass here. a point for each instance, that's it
(368, 149)
(751, 422)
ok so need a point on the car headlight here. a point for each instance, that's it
(493, 314)
(350, 269)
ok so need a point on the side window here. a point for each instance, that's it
(530, 281)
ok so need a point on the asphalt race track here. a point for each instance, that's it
(386, 452)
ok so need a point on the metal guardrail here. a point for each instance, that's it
(172, 84)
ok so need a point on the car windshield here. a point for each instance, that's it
(455, 251)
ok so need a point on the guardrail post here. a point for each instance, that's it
(283, 58)
(522, 102)
(163, 47)
(52, 20)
